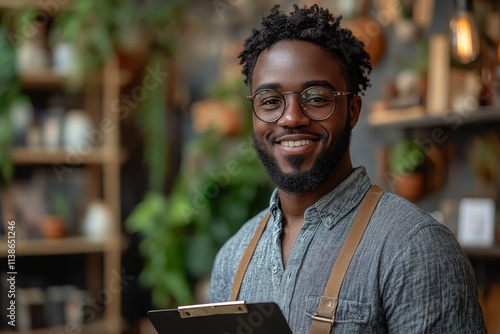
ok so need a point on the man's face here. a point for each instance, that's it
(298, 153)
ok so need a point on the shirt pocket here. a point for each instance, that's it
(348, 311)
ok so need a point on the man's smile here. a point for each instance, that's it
(295, 143)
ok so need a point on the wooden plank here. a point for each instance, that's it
(489, 252)
(438, 75)
(449, 118)
(43, 79)
(41, 247)
(40, 156)
(49, 79)
(36, 156)
(95, 327)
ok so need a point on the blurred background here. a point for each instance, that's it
(126, 158)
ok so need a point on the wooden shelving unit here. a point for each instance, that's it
(101, 165)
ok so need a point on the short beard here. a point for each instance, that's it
(301, 182)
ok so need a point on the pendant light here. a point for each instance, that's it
(464, 34)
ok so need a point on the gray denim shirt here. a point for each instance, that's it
(408, 275)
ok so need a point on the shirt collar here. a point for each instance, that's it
(337, 203)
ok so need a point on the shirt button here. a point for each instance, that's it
(328, 220)
(275, 270)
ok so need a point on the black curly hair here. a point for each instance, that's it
(316, 25)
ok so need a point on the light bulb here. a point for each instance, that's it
(464, 37)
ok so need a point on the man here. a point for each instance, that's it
(408, 274)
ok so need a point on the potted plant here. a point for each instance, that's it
(54, 222)
(405, 163)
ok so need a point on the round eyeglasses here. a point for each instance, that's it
(317, 103)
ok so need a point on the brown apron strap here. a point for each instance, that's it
(247, 256)
(324, 317)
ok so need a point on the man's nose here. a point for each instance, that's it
(293, 116)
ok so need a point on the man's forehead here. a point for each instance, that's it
(296, 61)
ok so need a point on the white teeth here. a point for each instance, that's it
(295, 143)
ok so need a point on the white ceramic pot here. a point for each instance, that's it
(63, 58)
(77, 129)
(97, 221)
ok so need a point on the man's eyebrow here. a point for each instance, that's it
(270, 85)
(323, 83)
(307, 84)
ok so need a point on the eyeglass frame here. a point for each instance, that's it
(334, 93)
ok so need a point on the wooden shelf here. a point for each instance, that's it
(41, 247)
(43, 79)
(489, 252)
(39, 156)
(448, 119)
(46, 79)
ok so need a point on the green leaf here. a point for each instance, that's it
(182, 210)
(143, 217)
(405, 157)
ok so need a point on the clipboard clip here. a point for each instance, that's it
(203, 310)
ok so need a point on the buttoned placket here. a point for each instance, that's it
(284, 279)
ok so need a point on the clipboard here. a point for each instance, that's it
(221, 318)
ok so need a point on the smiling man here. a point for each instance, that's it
(407, 274)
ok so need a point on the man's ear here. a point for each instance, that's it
(355, 104)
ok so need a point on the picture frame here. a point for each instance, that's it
(476, 222)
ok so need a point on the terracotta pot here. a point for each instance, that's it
(410, 186)
(368, 30)
(53, 227)
(222, 116)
